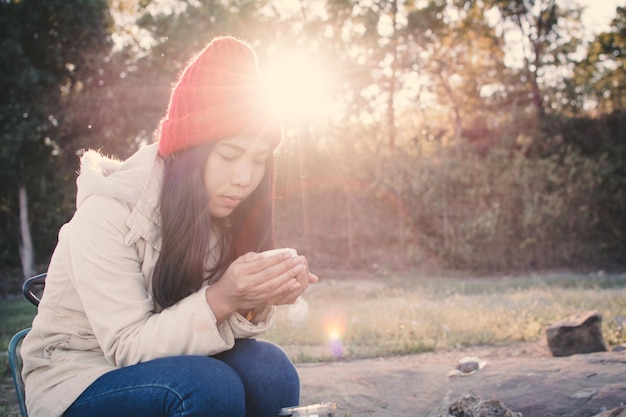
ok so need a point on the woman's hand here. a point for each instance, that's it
(305, 277)
(252, 281)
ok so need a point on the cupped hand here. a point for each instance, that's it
(304, 277)
(252, 281)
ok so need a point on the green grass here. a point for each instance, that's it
(15, 314)
(397, 315)
(404, 314)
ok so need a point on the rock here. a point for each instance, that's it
(615, 412)
(584, 394)
(470, 406)
(576, 334)
(619, 348)
(468, 364)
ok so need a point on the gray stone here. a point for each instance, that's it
(468, 364)
(576, 334)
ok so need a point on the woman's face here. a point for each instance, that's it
(233, 170)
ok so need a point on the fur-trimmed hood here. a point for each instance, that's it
(122, 180)
(135, 182)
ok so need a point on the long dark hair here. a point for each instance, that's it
(187, 227)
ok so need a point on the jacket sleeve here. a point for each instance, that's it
(107, 275)
(243, 328)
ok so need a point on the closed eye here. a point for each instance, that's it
(229, 152)
(228, 157)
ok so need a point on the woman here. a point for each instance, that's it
(156, 287)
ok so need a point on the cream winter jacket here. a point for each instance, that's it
(97, 313)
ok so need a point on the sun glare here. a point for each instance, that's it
(335, 326)
(301, 87)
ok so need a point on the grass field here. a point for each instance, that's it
(398, 315)
(348, 316)
(15, 314)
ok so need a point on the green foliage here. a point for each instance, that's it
(474, 178)
(48, 50)
(544, 195)
(551, 36)
(509, 210)
(601, 74)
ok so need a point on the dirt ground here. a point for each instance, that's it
(524, 377)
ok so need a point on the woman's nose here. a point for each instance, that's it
(242, 175)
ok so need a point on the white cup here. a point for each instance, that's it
(271, 252)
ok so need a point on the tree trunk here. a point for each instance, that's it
(26, 247)
(350, 220)
(392, 79)
(533, 79)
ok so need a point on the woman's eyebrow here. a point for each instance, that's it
(242, 149)
(232, 146)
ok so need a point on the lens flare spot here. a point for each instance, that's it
(334, 327)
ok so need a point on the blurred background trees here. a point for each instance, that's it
(484, 135)
(49, 53)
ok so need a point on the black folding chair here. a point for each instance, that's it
(32, 290)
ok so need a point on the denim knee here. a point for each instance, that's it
(180, 386)
(208, 390)
(270, 379)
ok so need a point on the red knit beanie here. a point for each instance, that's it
(220, 94)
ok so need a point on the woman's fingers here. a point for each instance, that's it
(252, 268)
(300, 276)
(277, 279)
(255, 277)
(283, 283)
(288, 295)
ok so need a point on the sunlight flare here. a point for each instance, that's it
(334, 327)
(301, 86)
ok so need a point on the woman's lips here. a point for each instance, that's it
(231, 200)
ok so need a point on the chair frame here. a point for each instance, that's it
(14, 356)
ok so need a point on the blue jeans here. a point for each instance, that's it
(253, 379)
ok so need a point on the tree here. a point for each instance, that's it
(48, 52)
(549, 37)
(603, 70)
